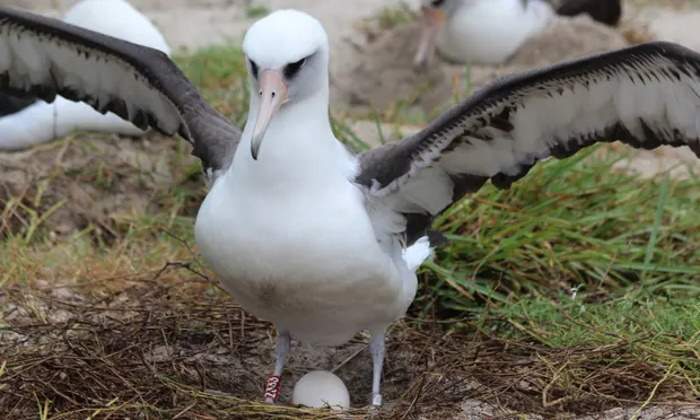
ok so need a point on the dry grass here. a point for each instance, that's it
(167, 344)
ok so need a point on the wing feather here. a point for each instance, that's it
(45, 57)
(645, 96)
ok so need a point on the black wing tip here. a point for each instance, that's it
(436, 239)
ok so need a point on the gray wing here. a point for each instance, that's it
(44, 57)
(645, 96)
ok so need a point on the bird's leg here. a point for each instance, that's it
(376, 348)
(274, 383)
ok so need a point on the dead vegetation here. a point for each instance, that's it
(169, 344)
(65, 187)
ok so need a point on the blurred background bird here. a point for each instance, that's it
(491, 31)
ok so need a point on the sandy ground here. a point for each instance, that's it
(215, 21)
(208, 22)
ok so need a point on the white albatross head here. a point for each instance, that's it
(287, 54)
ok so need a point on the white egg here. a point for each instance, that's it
(321, 389)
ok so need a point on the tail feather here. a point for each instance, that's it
(416, 254)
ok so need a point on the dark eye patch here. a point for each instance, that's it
(292, 69)
(253, 68)
(437, 3)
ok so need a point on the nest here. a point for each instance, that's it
(170, 344)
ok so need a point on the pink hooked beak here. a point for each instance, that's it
(273, 93)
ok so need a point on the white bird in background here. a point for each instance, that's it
(303, 233)
(25, 122)
(491, 31)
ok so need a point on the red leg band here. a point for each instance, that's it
(272, 389)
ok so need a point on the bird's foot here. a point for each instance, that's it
(272, 389)
(376, 400)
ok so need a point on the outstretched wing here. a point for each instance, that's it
(45, 57)
(645, 96)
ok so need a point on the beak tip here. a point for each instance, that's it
(255, 144)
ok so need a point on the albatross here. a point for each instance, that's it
(25, 122)
(491, 31)
(303, 233)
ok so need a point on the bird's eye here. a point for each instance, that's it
(437, 3)
(253, 68)
(291, 70)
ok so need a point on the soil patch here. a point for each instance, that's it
(100, 182)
